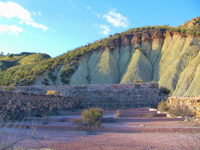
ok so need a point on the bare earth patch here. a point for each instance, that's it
(124, 133)
(81, 140)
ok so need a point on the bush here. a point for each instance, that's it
(162, 106)
(181, 111)
(90, 117)
(164, 90)
(45, 82)
(11, 55)
(138, 81)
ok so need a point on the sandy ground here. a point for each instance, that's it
(82, 140)
(122, 134)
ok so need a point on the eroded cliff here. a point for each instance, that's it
(172, 60)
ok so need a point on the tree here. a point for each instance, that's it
(11, 55)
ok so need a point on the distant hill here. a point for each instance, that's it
(163, 54)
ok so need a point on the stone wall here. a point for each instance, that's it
(34, 99)
(192, 102)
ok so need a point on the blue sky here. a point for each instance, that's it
(56, 26)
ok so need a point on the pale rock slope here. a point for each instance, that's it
(172, 60)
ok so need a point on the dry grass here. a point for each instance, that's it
(52, 92)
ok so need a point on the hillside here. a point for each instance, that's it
(163, 54)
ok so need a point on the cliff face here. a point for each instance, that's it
(171, 60)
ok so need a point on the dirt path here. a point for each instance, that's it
(70, 140)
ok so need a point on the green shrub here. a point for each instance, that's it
(162, 106)
(164, 90)
(51, 76)
(90, 117)
(138, 81)
(45, 82)
(11, 55)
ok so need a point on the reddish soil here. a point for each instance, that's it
(122, 134)
(71, 140)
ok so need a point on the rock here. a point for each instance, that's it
(141, 125)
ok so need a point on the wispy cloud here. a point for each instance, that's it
(61, 16)
(37, 13)
(88, 7)
(36, 25)
(103, 29)
(116, 19)
(13, 29)
(13, 10)
(96, 14)
(39, 36)
(72, 3)
(93, 12)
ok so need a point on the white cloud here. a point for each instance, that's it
(36, 25)
(103, 29)
(10, 29)
(116, 19)
(13, 10)
(21, 22)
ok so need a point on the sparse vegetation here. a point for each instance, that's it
(117, 114)
(9, 138)
(138, 81)
(9, 88)
(163, 107)
(181, 111)
(52, 92)
(45, 82)
(164, 90)
(52, 77)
